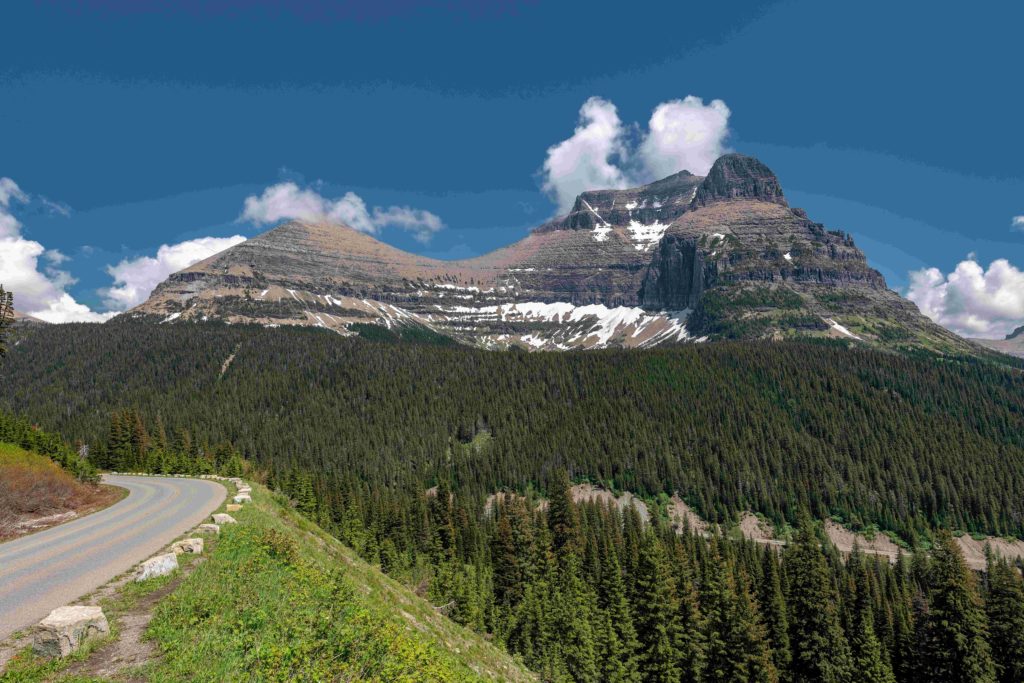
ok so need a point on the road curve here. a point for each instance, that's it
(45, 570)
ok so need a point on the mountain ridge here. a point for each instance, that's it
(681, 259)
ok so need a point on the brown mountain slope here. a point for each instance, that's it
(1012, 345)
(682, 258)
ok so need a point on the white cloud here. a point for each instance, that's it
(287, 200)
(682, 135)
(9, 193)
(39, 292)
(135, 279)
(972, 301)
(1017, 223)
(422, 224)
(591, 158)
(685, 134)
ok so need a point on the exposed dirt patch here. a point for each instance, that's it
(974, 551)
(843, 539)
(682, 514)
(129, 650)
(758, 530)
(588, 493)
(82, 501)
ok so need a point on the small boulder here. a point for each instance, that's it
(208, 529)
(67, 628)
(242, 498)
(232, 507)
(245, 489)
(161, 565)
(221, 518)
(188, 545)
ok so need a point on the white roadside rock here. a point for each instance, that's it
(221, 518)
(161, 565)
(188, 545)
(208, 529)
(242, 498)
(68, 628)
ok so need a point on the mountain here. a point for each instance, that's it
(684, 258)
(26, 319)
(1012, 345)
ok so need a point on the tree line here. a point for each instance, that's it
(904, 444)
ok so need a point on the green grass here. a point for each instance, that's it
(16, 455)
(278, 599)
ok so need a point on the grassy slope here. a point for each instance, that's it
(33, 485)
(278, 599)
(281, 597)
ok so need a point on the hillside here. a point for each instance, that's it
(684, 258)
(276, 598)
(904, 443)
(36, 492)
(1012, 345)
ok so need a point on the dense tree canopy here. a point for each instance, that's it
(393, 447)
(906, 444)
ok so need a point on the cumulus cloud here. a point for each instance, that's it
(971, 301)
(591, 158)
(287, 200)
(601, 154)
(1017, 223)
(30, 271)
(135, 279)
(685, 134)
(9, 193)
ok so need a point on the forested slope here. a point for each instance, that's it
(906, 443)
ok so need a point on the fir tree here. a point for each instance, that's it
(735, 641)
(869, 658)
(618, 640)
(1004, 603)
(563, 517)
(953, 648)
(655, 612)
(773, 608)
(821, 653)
(6, 318)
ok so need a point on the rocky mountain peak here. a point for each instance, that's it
(735, 176)
(661, 201)
(1016, 334)
(678, 259)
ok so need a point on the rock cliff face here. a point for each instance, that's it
(1012, 345)
(680, 259)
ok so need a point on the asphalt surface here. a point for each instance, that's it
(45, 570)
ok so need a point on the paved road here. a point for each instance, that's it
(45, 570)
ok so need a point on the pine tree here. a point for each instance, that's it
(563, 518)
(505, 559)
(735, 641)
(618, 640)
(1004, 603)
(869, 659)
(574, 610)
(6, 318)
(953, 646)
(655, 612)
(773, 608)
(821, 653)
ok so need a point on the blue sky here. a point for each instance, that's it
(129, 125)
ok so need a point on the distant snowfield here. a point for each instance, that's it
(590, 326)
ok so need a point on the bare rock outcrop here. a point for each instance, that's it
(66, 629)
(161, 565)
(192, 546)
